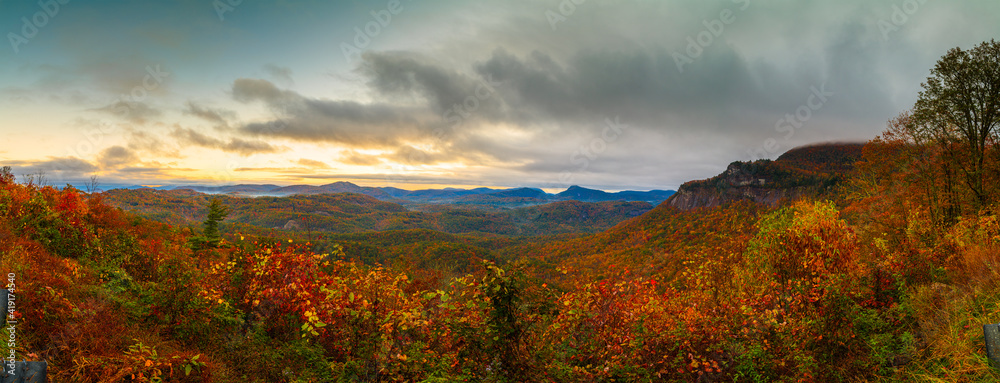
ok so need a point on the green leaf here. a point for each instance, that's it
(187, 370)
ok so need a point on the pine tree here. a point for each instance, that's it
(211, 238)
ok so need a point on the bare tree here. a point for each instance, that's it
(28, 180)
(40, 178)
(92, 184)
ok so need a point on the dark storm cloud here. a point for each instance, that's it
(526, 96)
(348, 122)
(442, 89)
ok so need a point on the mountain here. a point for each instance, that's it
(807, 170)
(237, 189)
(506, 199)
(583, 194)
(353, 213)
(495, 198)
(336, 187)
(520, 193)
(440, 195)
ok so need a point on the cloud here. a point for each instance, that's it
(312, 163)
(355, 158)
(493, 84)
(245, 147)
(55, 171)
(415, 75)
(234, 145)
(149, 143)
(280, 73)
(153, 171)
(412, 156)
(219, 117)
(116, 156)
(250, 90)
(349, 122)
(134, 111)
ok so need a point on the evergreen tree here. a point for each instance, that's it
(211, 237)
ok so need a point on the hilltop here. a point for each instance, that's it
(804, 171)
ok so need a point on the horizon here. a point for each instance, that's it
(82, 184)
(116, 186)
(632, 95)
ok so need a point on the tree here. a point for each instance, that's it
(960, 106)
(210, 237)
(6, 176)
(216, 213)
(92, 184)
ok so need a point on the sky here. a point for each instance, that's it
(615, 95)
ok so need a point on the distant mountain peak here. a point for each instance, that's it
(580, 193)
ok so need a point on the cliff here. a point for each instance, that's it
(809, 170)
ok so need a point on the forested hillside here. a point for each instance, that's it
(352, 213)
(886, 274)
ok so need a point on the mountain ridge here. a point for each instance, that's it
(509, 197)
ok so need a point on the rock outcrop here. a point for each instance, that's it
(809, 170)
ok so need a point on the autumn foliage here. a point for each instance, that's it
(886, 271)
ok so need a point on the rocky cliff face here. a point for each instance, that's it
(737, 183)
(809, 170)
(686, 200)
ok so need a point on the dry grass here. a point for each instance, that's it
(951, 316)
